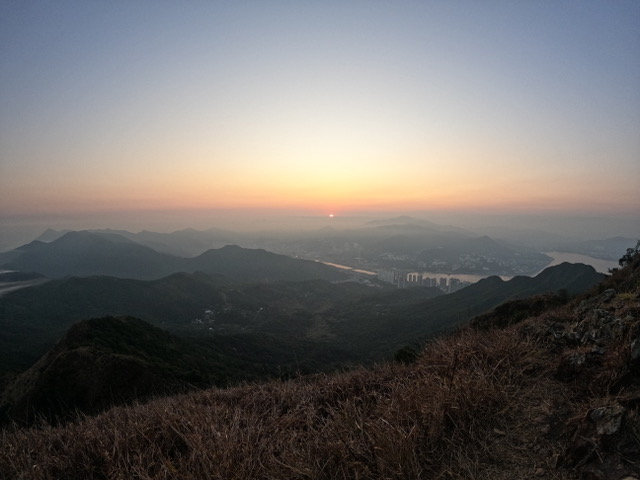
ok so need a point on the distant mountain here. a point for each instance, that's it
(422, 247)
(607, 249)
(86, 253)
(9, 277)
(408, 221)
(49, 235)
(456, 246)
(480, 254)
(183, 243)
(256, 265)
(524, 237)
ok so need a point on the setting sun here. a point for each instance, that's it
(433, 106)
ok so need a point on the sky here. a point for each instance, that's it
(318, 108)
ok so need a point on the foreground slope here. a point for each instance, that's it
(109, 361)
(554, 396)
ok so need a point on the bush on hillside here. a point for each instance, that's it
(631, 254)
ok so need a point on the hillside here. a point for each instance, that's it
(394, 324)
(554, 395)
(370, 323)
(33, 319)
(109, 361)
(257, 265)
(89, 253)
(101, 362)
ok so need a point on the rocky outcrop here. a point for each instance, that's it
(596, 344)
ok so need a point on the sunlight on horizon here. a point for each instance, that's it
(358, 107)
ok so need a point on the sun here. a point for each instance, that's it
(331, 215)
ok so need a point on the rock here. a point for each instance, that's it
(607, 295)
(497, 431)
(607, 419)
(539, 472)
(620, 326)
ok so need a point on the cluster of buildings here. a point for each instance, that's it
(406, 279)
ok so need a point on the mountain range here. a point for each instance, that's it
(401, 242)
(86, 253)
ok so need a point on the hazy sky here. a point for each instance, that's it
(325, 106)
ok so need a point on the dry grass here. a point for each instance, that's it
(434, 419)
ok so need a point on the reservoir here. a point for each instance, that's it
(599, 264)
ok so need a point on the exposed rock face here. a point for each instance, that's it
(600, 325)
(600, 352)
(594, 351)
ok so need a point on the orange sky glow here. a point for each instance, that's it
(320, 108)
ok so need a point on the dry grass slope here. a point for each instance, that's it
(516, 402)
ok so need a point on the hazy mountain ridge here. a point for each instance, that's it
(606, 249)
(85, 254)
(401, 243)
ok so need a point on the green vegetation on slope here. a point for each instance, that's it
(33, 319)
(372, 324)
(375, 329)
(108, 361)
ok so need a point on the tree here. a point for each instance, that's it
(631, 254)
